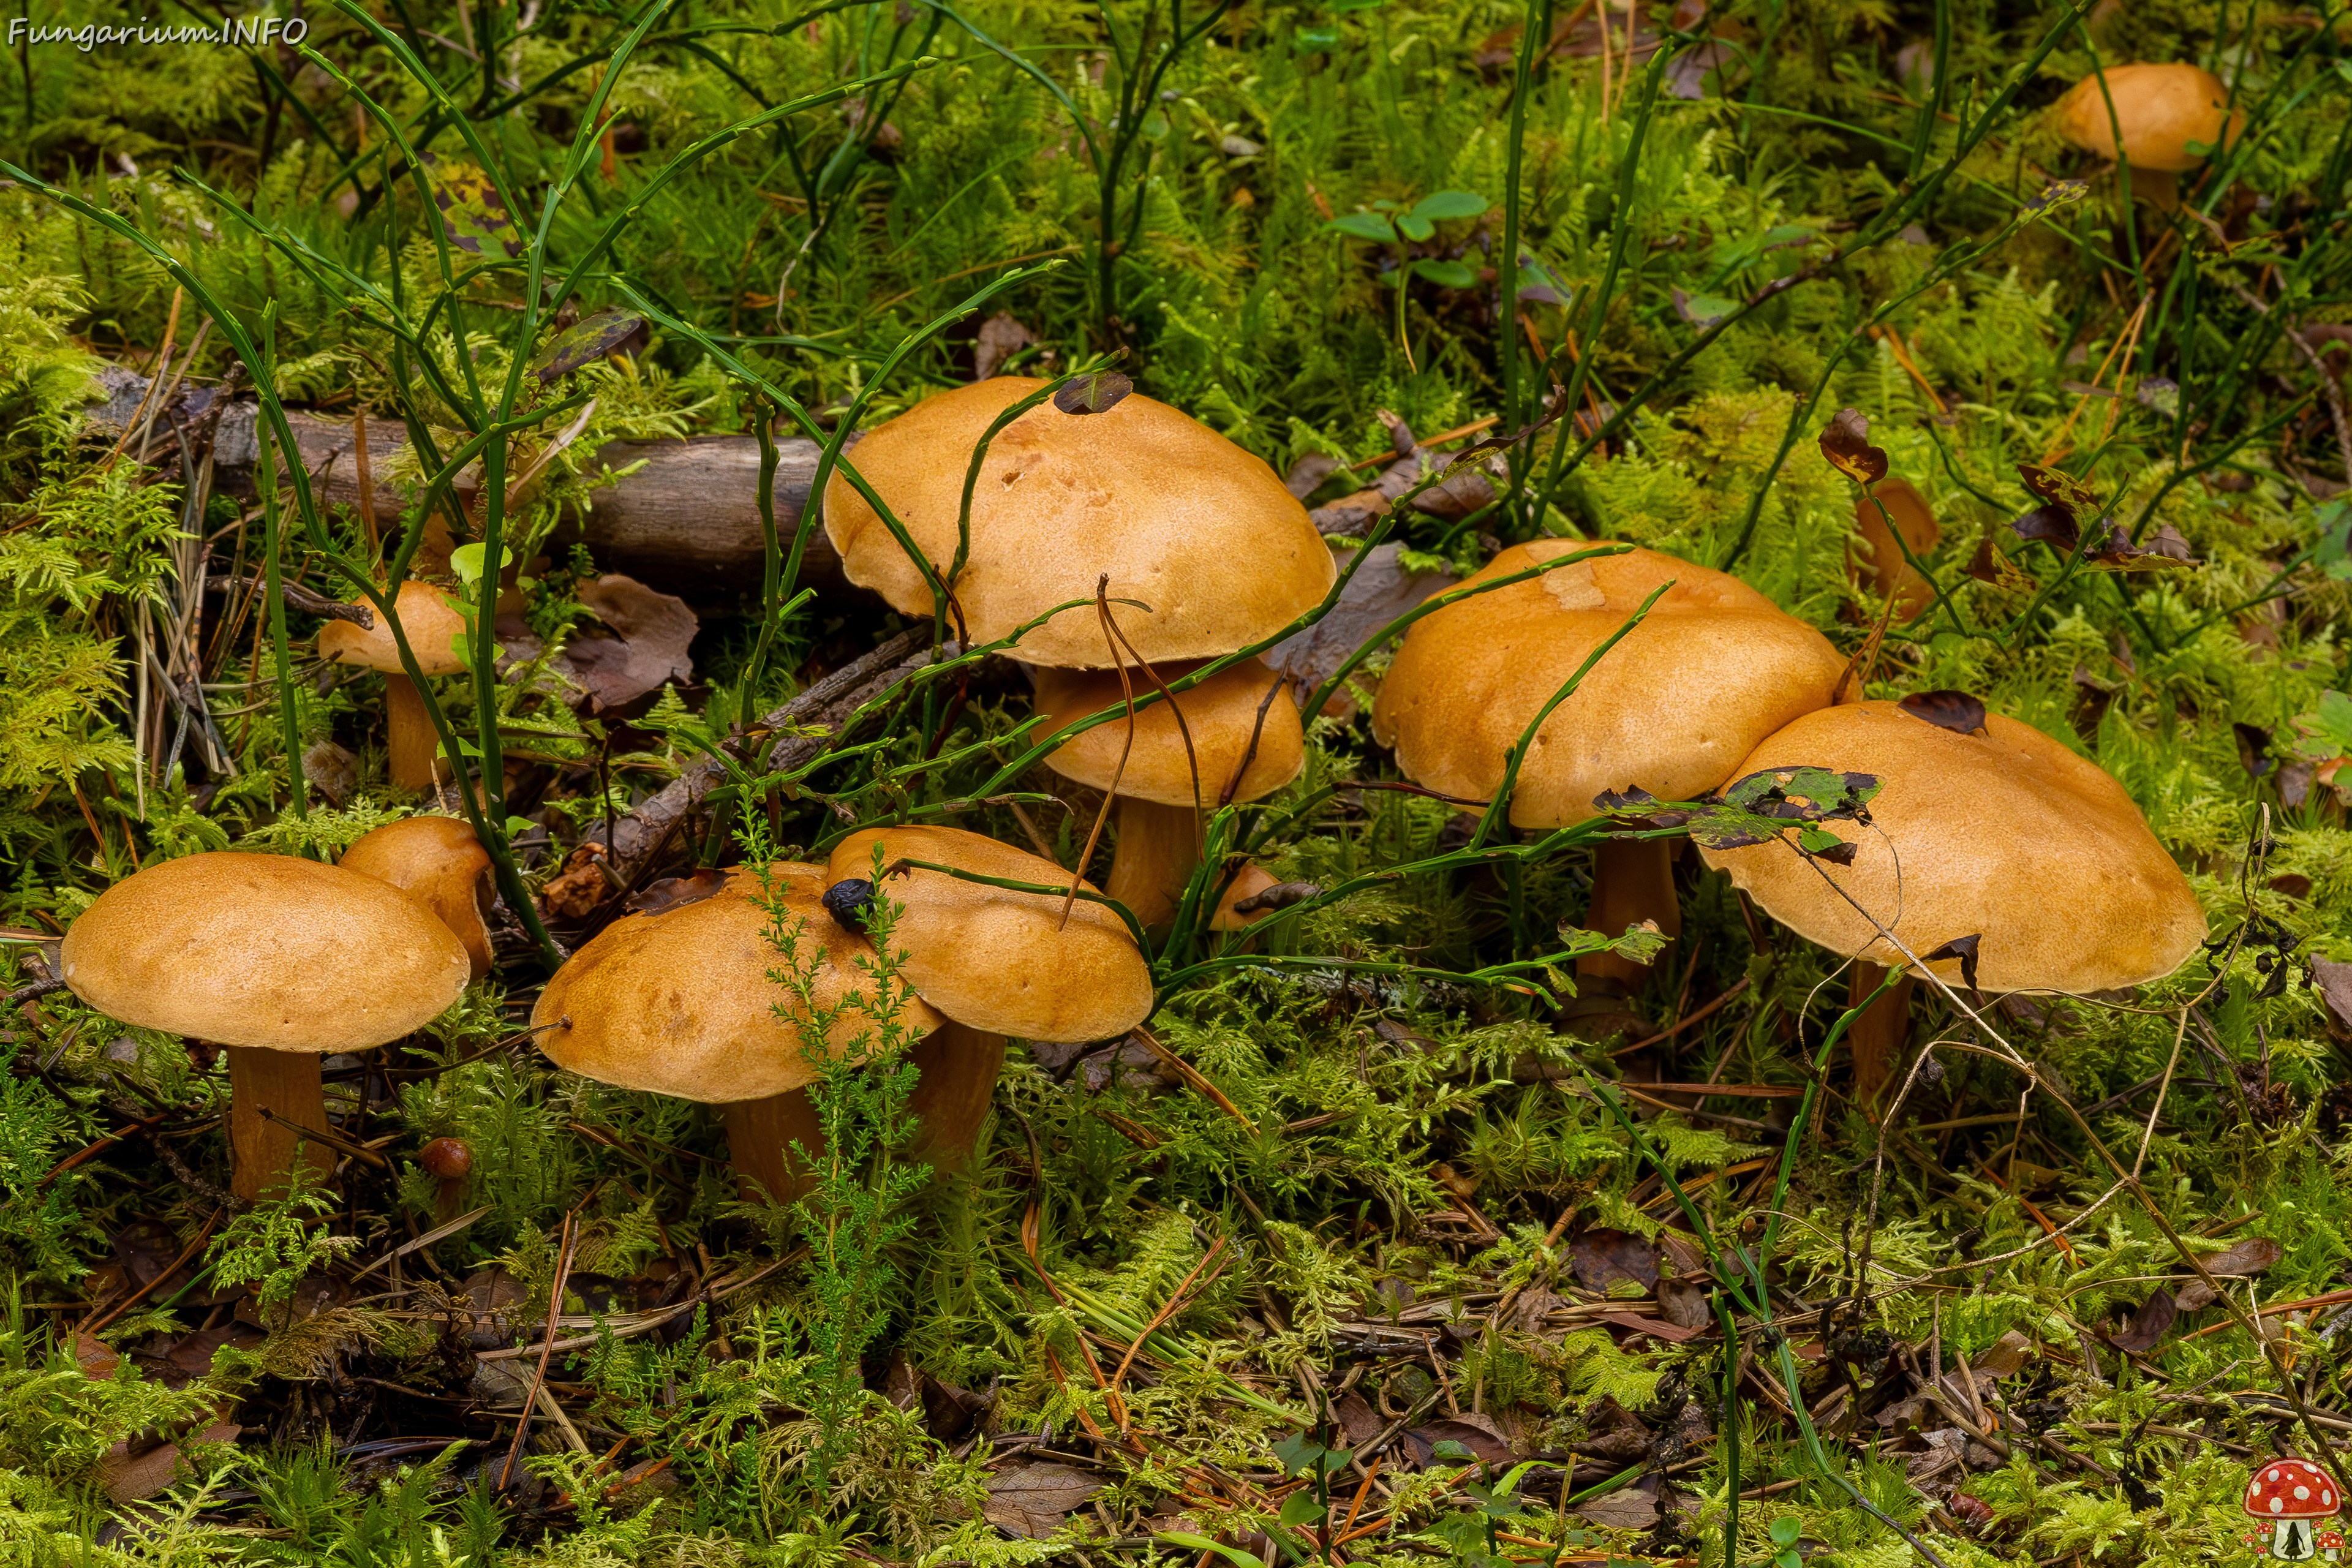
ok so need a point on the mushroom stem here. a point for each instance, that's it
(1878, 1036)
(1632, 881)
(262, 1150)
(1159, 846)
(416, 748)
(955, 1078)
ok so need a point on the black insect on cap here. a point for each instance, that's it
(848, 900)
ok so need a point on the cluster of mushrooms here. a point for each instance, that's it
(1986, 832)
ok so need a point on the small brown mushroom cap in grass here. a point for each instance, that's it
(991, 958)
(680, 1001)
(2162, 110)
(2003, 833)
(1158, 831)
(279, 960)
(1672, 709)
(1893, 516)
(438, 860)
(429, 619)
(1180, 519)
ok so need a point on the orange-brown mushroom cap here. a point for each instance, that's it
(2004, 835)
(997, 960)
(265, 951)
(679, 1001)
(429, 617)
(1671, 709)
(438, 860)
(2161, 108)
(1178, 517)
(1892, 516)
(1221, 713)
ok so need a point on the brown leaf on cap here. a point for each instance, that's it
(1601, 1256)
(1029, 1500)
(1000, 336)
(1965, 949)
(649, 650)
(2148, 1324)
(1098, 393)
(672, 892)
(1845, 442)
(1955, 710)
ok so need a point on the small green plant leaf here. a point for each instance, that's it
(2325, 733)
(1366, 225)
(1413, 226)
(1440, 207)
(1754, 809)
(1301, 1507)
(1321, 38)
(466, 561)
(1446, 274)
(1785, 1530)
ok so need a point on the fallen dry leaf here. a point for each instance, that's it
(128, 1477)
(1000, 336)
(1379, 592)
(648, 648)
(1601, 1257)
(2148, 1324)
(1031, 1500)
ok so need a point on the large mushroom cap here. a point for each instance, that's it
(1671, 709)
(2291, 1488)
(264, 950)
(2004, 835)
(679, 1001)
(1221, 714)
(1180, 518)
(438, 860)
(2160, 108)
(991, 958)
(427, 614)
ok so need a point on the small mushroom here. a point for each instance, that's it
(2001, 834)
(2172, 117)
(1178, 516)
(1894, 510)
(2292, 1495)
(449, 1162)
(683, 1002)
(991, 958)
(1672, 709)
(429, 619)
(278, 959)
(1243, 745)
(438, 860)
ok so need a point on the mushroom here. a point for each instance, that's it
(281, 961)
(2160, 109)
(448, 1161)
(1175, 514)
(683, 1002)
(1995, 832)
(1244, 746)
(438, 860)
(1714, 668)
(1893, 510)
(429, 616)
(2290, 1496)
(991, 958)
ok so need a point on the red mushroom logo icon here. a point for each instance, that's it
(2293, 1496)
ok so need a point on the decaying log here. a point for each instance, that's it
(687, 523)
